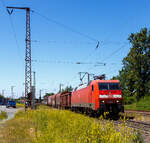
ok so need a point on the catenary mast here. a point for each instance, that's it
(28, 75)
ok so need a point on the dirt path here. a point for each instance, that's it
(10, 113)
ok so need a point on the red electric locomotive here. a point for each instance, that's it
(98, 97)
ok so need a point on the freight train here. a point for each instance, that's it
(97, 97)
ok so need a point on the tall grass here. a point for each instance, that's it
(3, 115)
(61, 126)
(18, 105)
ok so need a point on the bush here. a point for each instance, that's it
(129, 100)
(143, 104)
(3, 115)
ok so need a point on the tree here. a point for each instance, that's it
(135, 74)
(49, 94)
(1, 96)
(115, 78)
(67, 89)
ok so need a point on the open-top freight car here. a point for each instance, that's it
(51, 101)
(65, 100)
(60, 100)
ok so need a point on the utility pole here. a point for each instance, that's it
(34, 78)
(12, 92)
(40, 95)
(22, 94)
(28, 76)
(60, 87)
(3, 92)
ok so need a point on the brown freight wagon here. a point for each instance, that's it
(65, 100)
(53, 101)
(58, 105)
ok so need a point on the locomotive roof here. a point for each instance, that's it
(97, 81)
(105, 81)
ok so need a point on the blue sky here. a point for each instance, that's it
(110, 22)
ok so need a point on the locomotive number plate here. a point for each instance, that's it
(109, 101)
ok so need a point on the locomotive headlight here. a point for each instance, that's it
(117, 96)
(103, 96)
(102, 101)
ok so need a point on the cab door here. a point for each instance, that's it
(92, 94)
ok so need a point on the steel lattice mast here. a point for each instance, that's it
(28, 73)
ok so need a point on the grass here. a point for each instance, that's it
(18, 105)
(46, 125)
(143, 104)
(3, 115)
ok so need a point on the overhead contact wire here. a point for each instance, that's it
(66, 27)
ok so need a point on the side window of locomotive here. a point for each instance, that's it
(103, 86)
(92, 88)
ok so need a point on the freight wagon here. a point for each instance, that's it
(65, 100)
(51, 101)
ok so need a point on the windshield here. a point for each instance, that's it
(103, 86)
(114, 86)
(109, 86)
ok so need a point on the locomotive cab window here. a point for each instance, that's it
(109, 86)
(103, 86)
(114, 86)
(92, 88)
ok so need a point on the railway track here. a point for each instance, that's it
(145, 113)
(142, 127)
(138, 125)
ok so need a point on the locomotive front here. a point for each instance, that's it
(110, 97)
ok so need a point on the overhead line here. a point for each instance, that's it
(68, 62)
(66, 27)
(114, 52)
(12, 26)
(110, 55)
(14, 32)
(13, 29)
